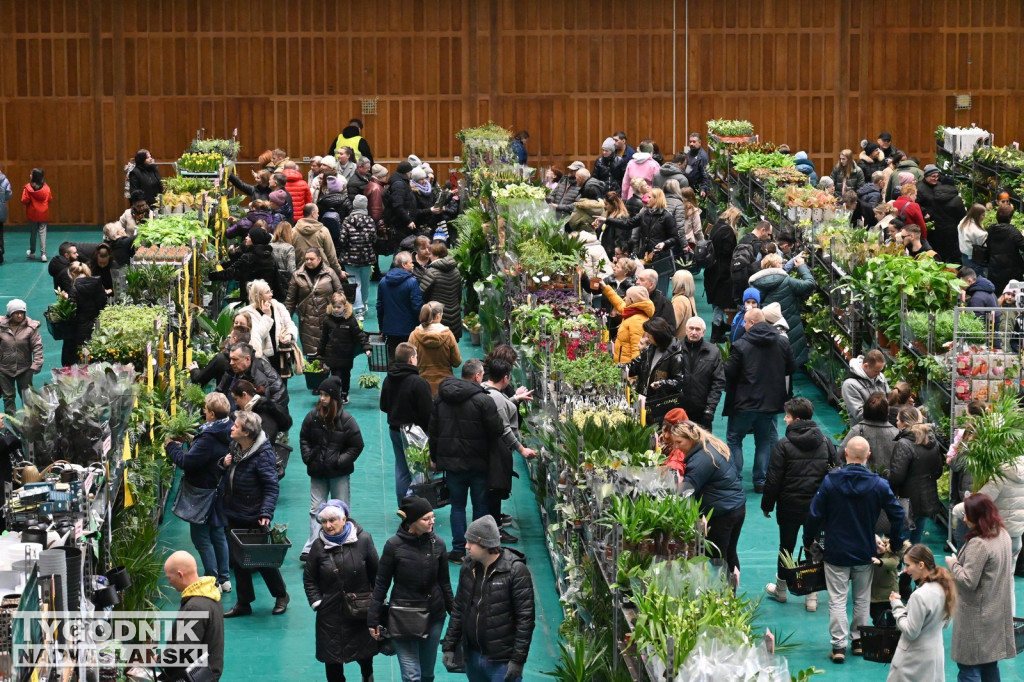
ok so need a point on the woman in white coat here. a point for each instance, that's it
(272, 326)
(920, 656)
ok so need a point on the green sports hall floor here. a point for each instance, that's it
(268, 647)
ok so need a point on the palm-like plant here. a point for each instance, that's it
(993, 440)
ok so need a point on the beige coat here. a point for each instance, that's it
(310, 299)
(437, 353)
(983, 625)
(279, 321)
(309, 233)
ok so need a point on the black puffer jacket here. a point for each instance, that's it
(339, 337)
(329, 453)
(1005, 244)
(442, 282)
(914, 470)
(498, 621)
(405, 397)
(942, 204)
(756, 371)
(145, 178)
(564, 195)
(254, 262)
(358, 233)
(868, 196)
(668, 372)
(339, 202)
(331, 572)
(703, 380)
(650, 227)
(275, 418)
(417, 567)
(796, 470)
(718, 275)
(425, 218)
(249, 488)
(261, 375)
(399, 204)
(88, 294)
(610, 170)
(464, 425)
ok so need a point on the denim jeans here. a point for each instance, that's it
(982, 270)
(212, 545)
(986, 672)
(837, 580)
(416, 657)
(460, 485)
(33, 230)
(480, 669)
(321, 490)
(403, 477)
(361, 275)
(918, 532)
(765, 434)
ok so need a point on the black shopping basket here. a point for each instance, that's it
(807, 577)
(434, 491)
(251, 548)
(378, 353)
(879, 644)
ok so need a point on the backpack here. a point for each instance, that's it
(744, 257)
(704, 253)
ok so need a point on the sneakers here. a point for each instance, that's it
(777, 590)
(456, 556)
(811, 602)
(344, 398)
(837, 655)
(31, 255)
(856, 648)
(43, 258)
(224, 587)
(507, 520)
(508, 538)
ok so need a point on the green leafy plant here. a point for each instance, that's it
(200, 162)
(181, 426)
(744, 162)
(173, 230)
(179, 185)
(314, 367)
(581, 659)
(418, 457)
(730, 128)
(61, 310)
(193, 395)
(943, 330)
(368, 381)
(596, 370)
(996, 440)
(226, 148)
(124, 331)
(471, 254)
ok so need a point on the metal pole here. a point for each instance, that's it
(674, 121)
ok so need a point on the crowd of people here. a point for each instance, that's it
(306, 254)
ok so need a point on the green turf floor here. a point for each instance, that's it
(268, 647)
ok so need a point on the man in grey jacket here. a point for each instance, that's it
(499, 374)
(864, 379)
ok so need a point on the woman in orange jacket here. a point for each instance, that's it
(636, 308)
(36, 196)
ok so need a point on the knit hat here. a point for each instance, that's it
(418, 174)
(676, 415)
(609, 143)
(906, 178)
(16, 305)
(257, 235)
(826, 183)
(414, 508)
(403, 168)
(331, 386)
(379, 171)
(336, 183)
(929, 169)
(773, 314)
(329, 162)
(426, 168)
(751, 293)
(414, 160)
(800, 156)
(870, 148)
(635, 294)
(484, 532)
(338, 504)
(278, 197)
(359, 203)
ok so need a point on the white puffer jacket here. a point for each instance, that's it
(1008, 494)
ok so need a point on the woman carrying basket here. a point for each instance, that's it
(249, 495)
(338, 578)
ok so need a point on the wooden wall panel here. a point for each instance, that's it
(90, 81)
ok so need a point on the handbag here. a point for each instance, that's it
(298, 361)
(882, 525)
(409, 619)
(193, 504)
(980, 254)
(435, 491)
(356, 605)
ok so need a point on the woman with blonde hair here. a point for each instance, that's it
(436, 347)
(88, 294)
(273, 326)
(710, 477)
(917, 463)
(683, 303)
(921, 655)
(971, 234)
(653, 230)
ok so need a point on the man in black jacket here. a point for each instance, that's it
(797, 468)
(245, 365)
(464, 427)
(703, 374)
(405, 398)
(200, 621)
(663, 308)
(399, 202)
(756, 376)
(67, 253)
(493, 618)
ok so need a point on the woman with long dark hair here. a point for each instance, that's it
(101, 264)
(718, 275)
(145, 177)
(983, 572)
(920, 655)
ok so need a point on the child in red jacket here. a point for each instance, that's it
(37, 197)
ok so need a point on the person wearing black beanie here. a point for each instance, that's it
(254, 261)
(413, 564)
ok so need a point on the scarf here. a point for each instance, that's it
(423, 186)
(676, 460)
(630, 312)
(315, 272)
(340, 537)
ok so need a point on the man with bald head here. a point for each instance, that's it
(200, 615)
(846, 508)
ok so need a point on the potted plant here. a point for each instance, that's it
(59, 316)
(472, 324)
(368, 381)
(315, 373)
(996, 440)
